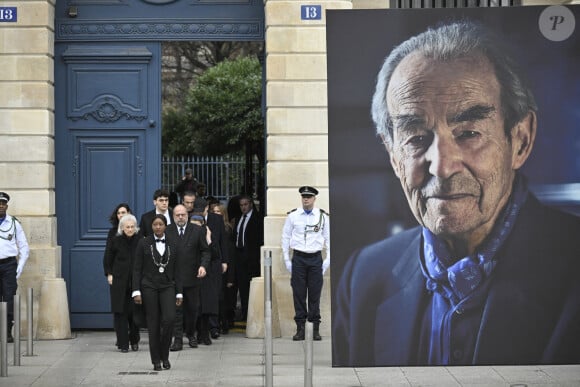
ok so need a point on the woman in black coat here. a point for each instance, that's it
(118, 264)
(158, 288)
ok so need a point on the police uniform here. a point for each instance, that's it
(306, 233)
(13, 255)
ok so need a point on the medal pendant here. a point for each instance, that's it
(161, 269)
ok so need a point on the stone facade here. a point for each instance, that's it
(27, 158)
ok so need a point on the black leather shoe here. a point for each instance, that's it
(157, 367)
(215, 334)
(192, 342)
(166, 364)
(176, 346)
(124, 350)
(299, 336)
(135, 347)
(316, 336)
(206, 340)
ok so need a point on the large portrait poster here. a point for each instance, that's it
(455, 232)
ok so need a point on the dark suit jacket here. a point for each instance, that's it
(192, 252)
(145, 228)
(531, 314)
(254, 239)
(146, 273)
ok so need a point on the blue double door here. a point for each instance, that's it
(108, 119)
(107, 141)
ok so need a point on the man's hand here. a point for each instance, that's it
(137, 300)
(224, 267)
(201, 272)
(325, 265)
(110, 279)
(288, 265)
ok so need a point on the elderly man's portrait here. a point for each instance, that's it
(454, 158)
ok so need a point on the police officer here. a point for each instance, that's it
(13, 255)
(306, 231)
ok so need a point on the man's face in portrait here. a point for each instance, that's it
(180, 215)
(450, 150)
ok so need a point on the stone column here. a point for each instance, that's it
(297, 150)
(27, 138)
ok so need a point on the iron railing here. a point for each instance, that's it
(222, 175)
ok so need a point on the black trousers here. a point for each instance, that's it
(160, 315)
(125, 327)
(188, 312)
(8, 286)
(243, 279)
(306, 284)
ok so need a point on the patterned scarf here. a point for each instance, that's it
(457, 280)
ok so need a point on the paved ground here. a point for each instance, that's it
(91, 359)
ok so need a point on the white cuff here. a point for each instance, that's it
(135, 293)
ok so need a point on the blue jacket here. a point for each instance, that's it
(531, 314)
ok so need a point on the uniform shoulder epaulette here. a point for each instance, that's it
(324, 212)
(291, 211)
(15, 218)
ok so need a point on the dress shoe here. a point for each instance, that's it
(215, 334)
(135, 347)
(176, 346)
(316, 336)
(206, 340)
(157, 367)
(124, 350)
(166, 364)
(192, 342)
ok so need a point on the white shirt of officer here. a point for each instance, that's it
(306, 232)
(13, 242)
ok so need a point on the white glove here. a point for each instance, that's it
(325, 265)
(110, 279)
(19, 270)
(288, 265)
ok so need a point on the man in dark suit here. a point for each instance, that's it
(249, 237)
(491, 275)
(193, 256)
(161, 203)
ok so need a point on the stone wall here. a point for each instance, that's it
(27, 142)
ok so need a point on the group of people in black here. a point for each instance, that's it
(179, 270)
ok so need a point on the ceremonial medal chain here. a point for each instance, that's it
(11, 225)
(160, 264)
(309, 228)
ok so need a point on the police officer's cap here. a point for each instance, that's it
(4, 197)
(308, 191)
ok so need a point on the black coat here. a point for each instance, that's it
(118, 261)
(146, 273)
(145, 228)
(254, 239)
(192, 252)
(212, 282)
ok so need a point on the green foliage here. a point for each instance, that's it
(223, 109)
(174, 138)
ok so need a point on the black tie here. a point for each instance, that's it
(240, 241)
(160, 240)
(181, 231)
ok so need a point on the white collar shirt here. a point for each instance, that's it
(305, 232)
(13, 241)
